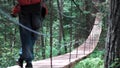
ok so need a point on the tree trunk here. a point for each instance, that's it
(61, 30)
(112, 55)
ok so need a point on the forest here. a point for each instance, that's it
(66, 26)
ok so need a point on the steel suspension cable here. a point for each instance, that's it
(16, 22)
(77, 6)
(29, 29)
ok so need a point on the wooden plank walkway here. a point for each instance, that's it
(82, 51)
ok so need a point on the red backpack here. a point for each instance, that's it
(28, 2)
(16, 9)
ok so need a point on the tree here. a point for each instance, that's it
(112, 57)
(61, 30)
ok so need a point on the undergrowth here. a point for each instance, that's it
(95, 60)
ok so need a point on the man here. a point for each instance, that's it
(31, 14)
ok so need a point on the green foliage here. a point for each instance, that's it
(116, 63)
(97, 54)
(10, 41)
(93, 61)
(8, 58)
(54, 51)
(90, 63)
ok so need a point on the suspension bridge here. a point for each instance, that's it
(68, 60)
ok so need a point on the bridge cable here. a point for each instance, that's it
(14, 21)
(51, 39)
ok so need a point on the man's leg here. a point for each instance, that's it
(36, 25)
(27, 47)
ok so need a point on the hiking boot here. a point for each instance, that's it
(29, 65)
(20, 62)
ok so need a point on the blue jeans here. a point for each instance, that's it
(32, 20)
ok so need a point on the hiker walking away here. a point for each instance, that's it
(31, 14)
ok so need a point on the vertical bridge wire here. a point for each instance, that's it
(51, 32)
(70, 38)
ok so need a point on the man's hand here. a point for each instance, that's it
(13, 15)
(15, 11)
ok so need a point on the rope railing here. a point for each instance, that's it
(68, 60)
(16, 22)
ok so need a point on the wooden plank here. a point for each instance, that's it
(82, 51)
